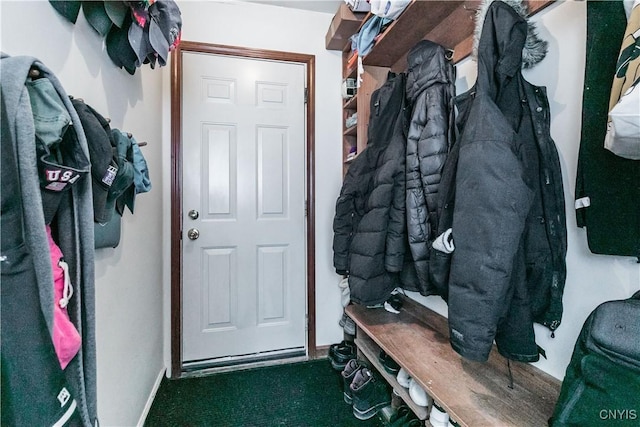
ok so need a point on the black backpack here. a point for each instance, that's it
(602, 382)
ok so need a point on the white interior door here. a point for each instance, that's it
(244, 276)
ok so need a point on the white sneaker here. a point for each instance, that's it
(403, 378)
(438, 417)
(418, 395)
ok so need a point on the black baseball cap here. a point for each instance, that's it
(104, 163)
(119, 48)
(165, 28)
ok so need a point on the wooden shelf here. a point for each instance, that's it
(472, 393)
(449, 23)
(350, 73)
(353, 130)
(344, 24)
(417, 20)
(351, 103)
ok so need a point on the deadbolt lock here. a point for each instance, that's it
(193, 214)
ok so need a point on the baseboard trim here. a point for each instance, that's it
(152, 396)
(322, 351)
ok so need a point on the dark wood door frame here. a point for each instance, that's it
(176, 185)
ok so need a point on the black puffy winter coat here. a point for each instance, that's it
(508, 220)
(369, 226)
(430, 91)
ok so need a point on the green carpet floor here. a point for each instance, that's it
(293, 395)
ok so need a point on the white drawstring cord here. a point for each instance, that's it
(67, 291)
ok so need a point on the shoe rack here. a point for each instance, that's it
(369, 350)
(472, 393)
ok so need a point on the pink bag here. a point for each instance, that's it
(66, 339)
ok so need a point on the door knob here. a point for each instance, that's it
(193, 234)
(193, 214)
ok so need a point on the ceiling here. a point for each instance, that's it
(326, 6)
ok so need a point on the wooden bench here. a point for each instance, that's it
(473, 394)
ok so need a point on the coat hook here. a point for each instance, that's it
(142, 144)
(129, 135)
(108, 119)
(449, 54)
(34, 73)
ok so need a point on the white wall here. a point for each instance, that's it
(128, 278)
(591, 279)
(275, 28)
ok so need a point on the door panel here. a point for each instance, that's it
(220, 151)
(244, 277)
(272, 170)
(220, 295)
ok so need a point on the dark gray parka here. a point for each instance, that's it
(508, 267)
(369, 225)
(430, 91)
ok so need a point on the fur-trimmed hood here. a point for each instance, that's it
(534, 50)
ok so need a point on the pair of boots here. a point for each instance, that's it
(364, 389)
(341, 353)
